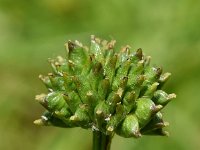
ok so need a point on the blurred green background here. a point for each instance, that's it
(33, 30)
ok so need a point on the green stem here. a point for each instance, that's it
(101, 141)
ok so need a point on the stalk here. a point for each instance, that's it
(101, 141)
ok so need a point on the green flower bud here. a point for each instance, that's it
(116, 119)
(81, 117)
(162, 98)
(106, 90)
(129, 127)
(48, 119)
(145, 110)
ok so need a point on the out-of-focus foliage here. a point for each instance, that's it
(33, 30)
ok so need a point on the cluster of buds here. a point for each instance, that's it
(106, 90)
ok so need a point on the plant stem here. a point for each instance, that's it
(101, 141)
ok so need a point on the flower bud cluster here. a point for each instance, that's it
(101, 88)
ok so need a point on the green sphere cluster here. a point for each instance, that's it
(105, 89)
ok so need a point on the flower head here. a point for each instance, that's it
(101, 88)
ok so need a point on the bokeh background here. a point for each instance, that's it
(31, 31)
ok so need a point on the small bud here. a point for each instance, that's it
(144, 110)
(112, 100)
(163, 78)
(55, 101)
(151, 89)
(46, 81)
(147, 61)
(77, 56)
(162, 98)
(81, 118)
(95, 48)
(129, 101)
(57, 82)
(104, 88)
(152, 74)
(73, 100)
(41, 99)
(135, 73)
(121, 74)
(116, 119)
(101, 113)
(129, 127)
(47, 119)
(110, 65)
(125, 53)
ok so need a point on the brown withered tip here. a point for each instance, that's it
(65, 96)
(126, 49)
(159, 71)
(98, 68)
(157, 108)
(51, 75)
(140, 79)
(139, 53)
(111, 44)
(95, 39)
(70, 45)
(123, 81)
(137, 134)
